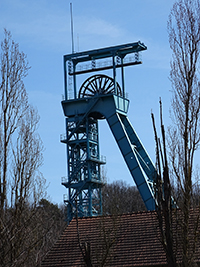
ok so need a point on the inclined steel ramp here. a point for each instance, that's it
(135, 156)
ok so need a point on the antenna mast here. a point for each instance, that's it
(72, 31)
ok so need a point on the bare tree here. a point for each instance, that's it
(13, 102)
(27, 158)
(184, 134)
(164, 195)
(13, 106)
(22, 184)
(184, 39)
(119, 197)
(50, 225)
(107, 229)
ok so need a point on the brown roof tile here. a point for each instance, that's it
(135, 238)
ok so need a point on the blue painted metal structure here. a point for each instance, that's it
(100, 97)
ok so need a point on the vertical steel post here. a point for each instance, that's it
(114, 73)
(65, 79)
(74, 79)
(122, 73)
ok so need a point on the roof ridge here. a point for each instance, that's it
(111, 215)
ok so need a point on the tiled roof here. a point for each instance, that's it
(134, 239)
(125, 240)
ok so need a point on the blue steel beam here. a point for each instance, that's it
(136, 158)
(120, 50)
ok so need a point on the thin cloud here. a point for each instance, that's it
(94, 32)
(98, 27)
(36, 23)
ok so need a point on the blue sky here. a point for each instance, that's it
(42, 28)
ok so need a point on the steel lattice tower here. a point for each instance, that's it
(100, 97)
